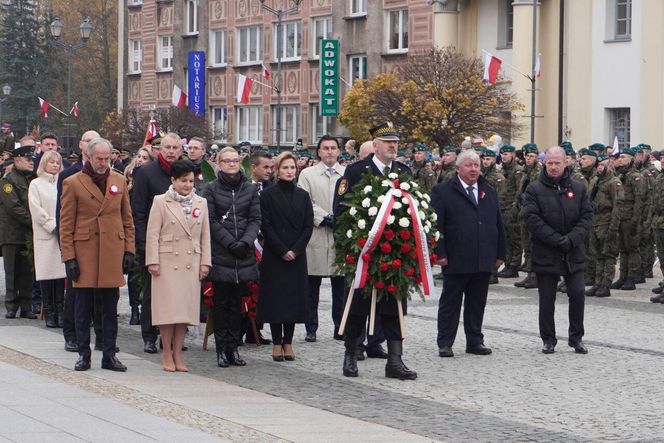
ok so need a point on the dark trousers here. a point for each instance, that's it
(134, 294)
(148, 331)
(282, 333)
(53, 294)
(546, 286)
(108, 300)
(338, 288)
(373, 341)
(36, 294)
(18, 279)
(475, 288)
(226, 314)
(69, 328)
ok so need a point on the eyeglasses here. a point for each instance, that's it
(230, 161)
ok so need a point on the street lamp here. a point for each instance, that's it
(279, 13)
(56, 31)
(6, 90)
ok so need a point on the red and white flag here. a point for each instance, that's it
(491, 68)
(151, 132)
(44, 107)
(179, 98)
(266, 73)
(537, 70)
(75, 111)
(243, 88)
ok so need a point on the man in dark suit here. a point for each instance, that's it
(386, 140)
(559, 215)
(471, 247)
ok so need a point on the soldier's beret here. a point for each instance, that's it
(530, 148)
(628, 151)
(602, 157)
(597, 147)
(479, 149)
(507, 148)
(400, 153)
(489, 153)
(449, 149)
(637, 148)
(645, 146)
(569, 150)
(420, 147)
(565, 144)
(24, 151)
(586, 151)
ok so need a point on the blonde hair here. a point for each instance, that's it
(47, 157)
(227, 149)
(286, 155)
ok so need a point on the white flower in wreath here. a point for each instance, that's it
(373, 211)
(361, 223)
(367, 189)
(366, 202)
(419, 194)
(397, 206)
(393, 176)
(436, 236)
(405, 186)
(427, 223)
(404, 201)
(408, 211)
(353, 211)
(404, 222)
(426, 229)
(415, 185)
(421, 214)
(386, 183)
(349, 234)
(426, 197)
(434, 217)
(424, 204)
(390, 219)
(397, 193)
(381, 199)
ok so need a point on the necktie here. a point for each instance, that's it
(471, 194)
(386, 170)
(331, 171)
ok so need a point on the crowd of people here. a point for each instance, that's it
(181, 219)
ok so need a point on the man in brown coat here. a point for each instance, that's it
(97, 243)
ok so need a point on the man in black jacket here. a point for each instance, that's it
(471, 247)
(151, 180)
(559, 216)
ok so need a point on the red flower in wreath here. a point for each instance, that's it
(391, 288)
(396, 263)
(350, 259)
(405, 248)
(389, 235)
(366, 257)
(362, 241)
(410, 272)
(433, 257)
(405, 235)
(386, 248)
(384, 266)
(379, 285)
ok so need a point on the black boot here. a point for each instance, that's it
(618, 283)
(628, 285)
(603, 291)
(395, 367)
(493, 279)
(531, 281)
(222, 357)
(49, 313)
(591, 292)
(60, 308)
(508, 272)
(350, 357)
(233, 357)
(135, 316)
(639, 279)
(589, 281)
(521, 283)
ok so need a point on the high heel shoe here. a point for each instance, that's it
(289, 357)
(280, 356)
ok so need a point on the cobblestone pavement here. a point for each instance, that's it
(516, 394)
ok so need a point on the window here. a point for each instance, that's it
(357, 68)
(290, 40)
(321, 125)
(135, 2)
(249, 124)
(218, 43)
(623, 19)
(290, 127)
(250, 45)
(509, 23)
(165, 54)
(619, 126)
(397, 31)
(135, 56)
(191, 16)
(322, 29)
(220, 123)
(357, 7)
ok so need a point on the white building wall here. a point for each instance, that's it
(487, 35)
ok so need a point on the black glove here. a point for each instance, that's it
(72, 270)
(565, 244)
(239, 249)
(127, 262)
(328, 221)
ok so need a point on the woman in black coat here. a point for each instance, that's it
(235, 218)
(287, 223)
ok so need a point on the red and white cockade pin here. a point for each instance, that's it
(196, 212)
(570, 195)
(482, 194)
(114, 190)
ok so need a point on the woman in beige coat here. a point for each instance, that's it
(177, 254)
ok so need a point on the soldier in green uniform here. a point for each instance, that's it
(606, 196)
(497, 180)
(588, 171)
(448, 171)
(531, 172)
(631, 211)
(658, 233)
(647, 241)
(598, 148)
(422, 170)
(512, 172)
(16, 225)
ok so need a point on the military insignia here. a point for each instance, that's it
(8, 188)
(343, 187)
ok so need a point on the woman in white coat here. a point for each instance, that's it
(177, 254)
(49, 270)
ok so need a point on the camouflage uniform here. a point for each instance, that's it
(658, 231)
(426, 177)
(646, 241)
(447, 172)
(530, 174)
(497, 180)
(512, 173)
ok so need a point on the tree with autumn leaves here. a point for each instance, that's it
(435, 96)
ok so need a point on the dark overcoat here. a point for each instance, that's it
(286, 226)
(472, 236)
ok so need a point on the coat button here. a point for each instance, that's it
(189, 252)
(172, 222)
(177, 253)
(175, 267)
(188, 267)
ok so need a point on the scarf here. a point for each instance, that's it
(232, 180)
(186, 201)
(98, 179)
(164, 163)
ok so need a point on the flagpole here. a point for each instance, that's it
(51, 106)
(533, 77)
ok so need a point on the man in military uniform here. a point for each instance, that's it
(631, 211)
(380, 163)
(512, 172)
(598, 148)
(16, 225)
(606, 196)
(448, 170)
(421, 168)
(588, 171)
(498, 182)
(658, 233)
(7, 140)
(647, 241)
(531, 172)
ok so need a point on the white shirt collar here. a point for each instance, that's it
(465, 185)
(379, 164)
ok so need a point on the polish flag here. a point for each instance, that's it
(75, 110)
(151, 132)
(537, 70)
(179, 98)
(243, 88)
(266, 73)
(44, 107)
(491, 68)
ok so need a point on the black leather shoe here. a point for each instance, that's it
(445, 351)
(508, 272)
(548, 348)
(222, 361)
(360, 355)
(520, 283)
(639, 280)
(234, 358)
(28, 314)
(113, 364)
(82, 364)
(603, 291)
(478, 350)
(657, 298)
(591, 292)
(657, 290)
(531, 282)
(311, 337)
(628, 285)
(377, 352)
(10, 314)
(395, 367)
(135, 318)
(579, 347)
(71, 346)
(350, 364)
(618, 283)
(493, 279)
(150, 347)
